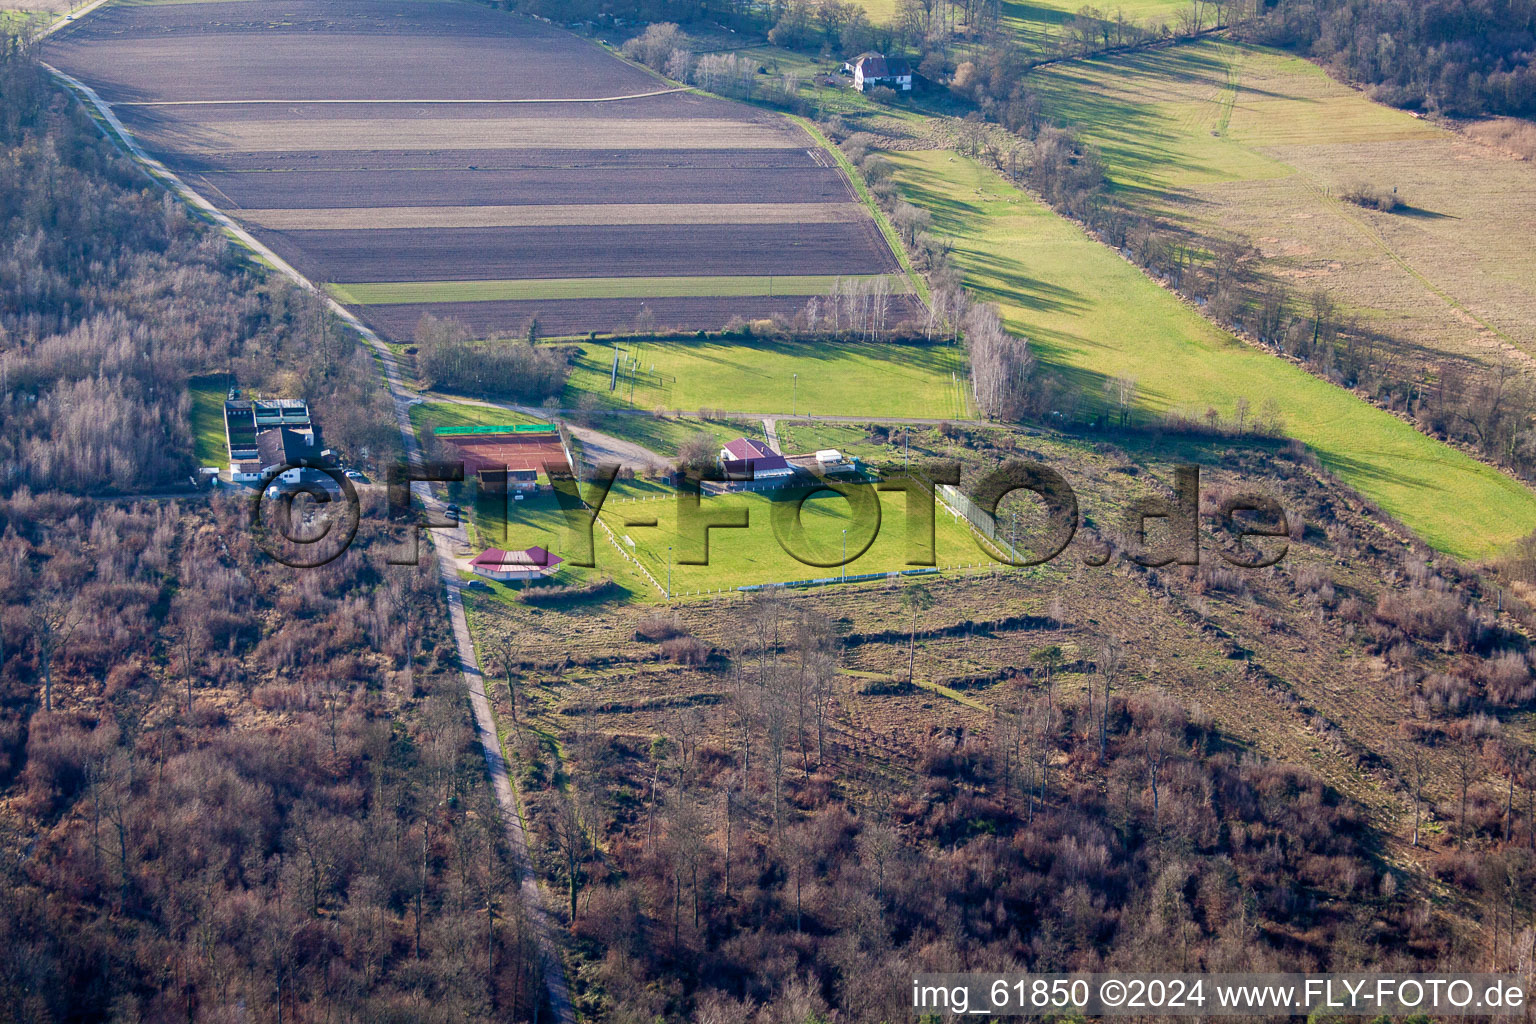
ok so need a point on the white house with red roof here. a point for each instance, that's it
(872, 69)
(746, 459)
(514, 566)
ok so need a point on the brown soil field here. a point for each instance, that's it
(486, 133)
(559, 317)
(584, 214)
(796, 179)
(496, 147)
(657, 100)
(475, 254)
(336, 50)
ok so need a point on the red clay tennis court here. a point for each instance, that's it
(494, 449)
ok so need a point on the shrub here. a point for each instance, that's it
(685, 650)
(658, 626)
(1373, 197)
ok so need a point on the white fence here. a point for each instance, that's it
(956, 501)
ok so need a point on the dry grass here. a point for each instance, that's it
(1450, 272)
(1301, 693)
(53, 7)
(586, 214)
(1507, 134)
(485, 133)
(1226, 141)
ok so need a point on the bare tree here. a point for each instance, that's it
(53, 616)
(571, 840)
(191, 640)
(915, 599)
(1110, 662)
(507, 650)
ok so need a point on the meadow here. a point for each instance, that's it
(775, 377)
(209, 445)
(1094, 316)
(754, 554)
(1221, 140)
(1035, 20)
(428, 416)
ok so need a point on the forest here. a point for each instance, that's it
(230, 790)
(112, 296)
(757, 811)
(1460, 57)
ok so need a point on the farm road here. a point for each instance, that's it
(531, 893)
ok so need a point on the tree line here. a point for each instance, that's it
(777, 856)
(1461, 57)
(448, 357)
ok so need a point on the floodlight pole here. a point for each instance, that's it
(845, 554)
(669, 572)
(794, 396)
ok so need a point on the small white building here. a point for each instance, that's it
(829, 457)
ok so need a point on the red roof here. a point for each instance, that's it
(496, 559)
(751, 457)
(744, 448)
(883, 67)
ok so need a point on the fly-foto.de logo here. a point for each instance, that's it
(1154, 530)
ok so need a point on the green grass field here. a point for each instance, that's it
(498, 521)
(1093, 315)
(386, 293)
(1175, 118)
(17, 22)
(739, 557)
(1034, 21)
(1031, 21)
(209, 445)
(428, 416)
(760, 377)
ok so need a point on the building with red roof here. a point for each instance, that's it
(514, 566)
(746, 459)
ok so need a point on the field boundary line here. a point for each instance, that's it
(531, 887)
(381, 218)
(631, 558)
(891, 238)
